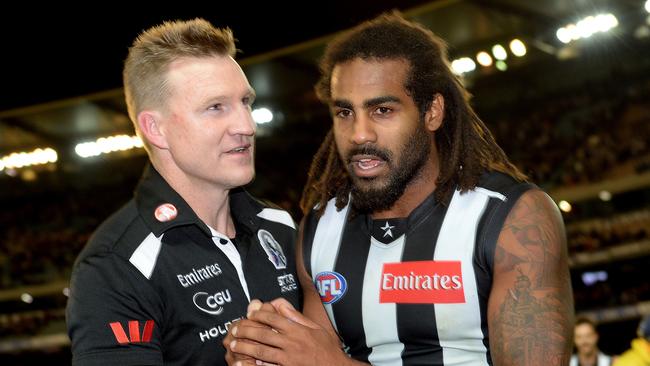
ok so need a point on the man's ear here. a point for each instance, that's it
(435, 114)
(149, 123)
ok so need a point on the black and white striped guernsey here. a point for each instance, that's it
(412, 291)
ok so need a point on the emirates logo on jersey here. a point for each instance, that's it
(423, 282)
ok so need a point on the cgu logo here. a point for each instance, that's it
(331, 286)
(212, 304)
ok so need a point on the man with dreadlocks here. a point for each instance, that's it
(425, 244)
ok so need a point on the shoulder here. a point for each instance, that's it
(503, 194)
(263, 209)
(502, 186)
(119, 235)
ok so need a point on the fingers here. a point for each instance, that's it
(284, 308)
(258, 352)
(256, 334)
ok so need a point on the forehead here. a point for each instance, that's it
(368, 78)
(584, 328)
(214, 74)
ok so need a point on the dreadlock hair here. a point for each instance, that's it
(465, 146)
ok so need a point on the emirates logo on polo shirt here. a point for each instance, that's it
(423, 282)
(134, 332)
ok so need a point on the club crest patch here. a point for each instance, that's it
(273, 249)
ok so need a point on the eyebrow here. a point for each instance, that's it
(252, 93)
(368, 103)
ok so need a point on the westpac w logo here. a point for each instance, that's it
(134, 332)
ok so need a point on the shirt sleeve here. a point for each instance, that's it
(113, 314)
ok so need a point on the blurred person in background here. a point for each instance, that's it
(639, 352)
(161, 280)
(585, 338)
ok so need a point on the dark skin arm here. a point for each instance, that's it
(530, 310)
(278, 334)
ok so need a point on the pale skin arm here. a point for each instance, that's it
(530, 310)
(282, 335)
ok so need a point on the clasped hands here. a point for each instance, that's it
(275, 333)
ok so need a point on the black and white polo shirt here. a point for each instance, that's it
(155, 285)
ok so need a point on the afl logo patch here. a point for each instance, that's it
(165, 212)
(273, 249)
(331, 286)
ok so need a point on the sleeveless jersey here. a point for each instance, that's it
(414, 290)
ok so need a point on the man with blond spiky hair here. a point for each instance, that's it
(162, 280)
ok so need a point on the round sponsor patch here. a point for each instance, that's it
(331, 286)
(165, 212)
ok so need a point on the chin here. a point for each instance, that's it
(369, 184)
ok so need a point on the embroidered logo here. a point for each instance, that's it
(273, 249)
(387, 230)
(423, 282)
(331, 286)
(134, 332)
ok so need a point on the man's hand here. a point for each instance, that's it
(279, 334)
(232, 358)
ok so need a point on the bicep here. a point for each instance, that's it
(109, 311)
(530, 309)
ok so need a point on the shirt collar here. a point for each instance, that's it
(153, 191)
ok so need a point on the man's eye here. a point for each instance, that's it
(343, 113)
(383, 110)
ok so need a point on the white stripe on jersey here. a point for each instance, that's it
(490, 193)
(380, 320)
(230, 250)
(459, 325)
(276, 215)
(146, 254)
(326, 244)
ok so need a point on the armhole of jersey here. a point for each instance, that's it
(309, 231)
(494, 221)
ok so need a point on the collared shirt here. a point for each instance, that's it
(160, 287)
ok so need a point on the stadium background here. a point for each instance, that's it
(572, 112)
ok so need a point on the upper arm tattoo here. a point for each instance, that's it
(532, 306)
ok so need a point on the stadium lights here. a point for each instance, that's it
(517, 47)
(105, 145)
(647, 6)
(499, 52)
(605, 195)
(25, 159)
(463, 65)
(484, 59)
(26, 298)
(587, 27)
(262, 115)
(564, 206)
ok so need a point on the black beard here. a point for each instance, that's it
(412, 157)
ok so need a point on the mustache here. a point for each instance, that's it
(385, 155)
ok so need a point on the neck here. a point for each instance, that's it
(211, 204)
(590, 358)
(416, 191)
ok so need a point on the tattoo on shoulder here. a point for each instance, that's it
(536, 311)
